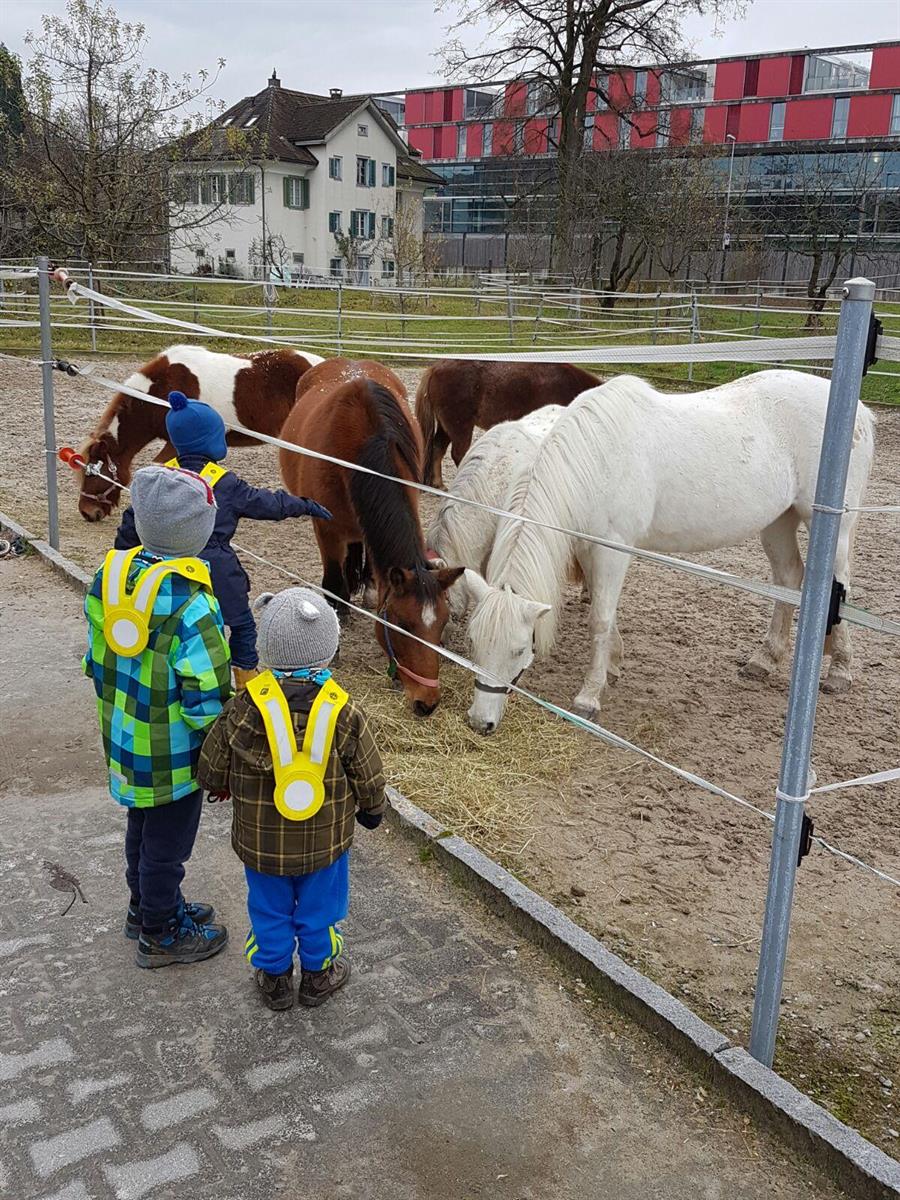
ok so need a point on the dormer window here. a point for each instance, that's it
(227, 121)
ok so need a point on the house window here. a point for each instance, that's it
(241, 189)
(362, 223)
(461, 141)
(334, 222)
(388, 175)
(387, 227)
(776, 123)
(229, 254)
(335, 167)
(297, 258)
(296, 191)
(211, 189)
(336, 267)
(363, 262)
(362, 130)
(839, 115)
(895, 115)
(589, 131)
(487, 145)
(365, 172)
(640, 88)
(387, 268)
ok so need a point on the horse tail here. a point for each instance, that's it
(428, 423)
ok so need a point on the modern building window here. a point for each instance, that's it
(388, 175)
(662, 127)
(362, 223)
(698, 120)
(475, 103)
(365, 172)
(602, 86)
(334, 222)
(387, 268)
(487, 145)
(335, 167)
(519, 137)
(296, 191)
(839, 115)
(362, 130)
(461, 141)
(895, 115)
(776, 123)
(624, 133)
(241, 189)
(640, 88)
(539, 98)
(387, 227)
(336, 267)
(589, 131)
(826, 74)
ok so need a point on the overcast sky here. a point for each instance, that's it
(380, 45)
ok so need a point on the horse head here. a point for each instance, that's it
(101, 477)
(502, 633)
(416, 602)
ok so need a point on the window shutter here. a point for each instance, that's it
(371, 216)
(287, 191)
(370, 172)
(304, 193)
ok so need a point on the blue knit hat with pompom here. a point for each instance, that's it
(195, 428)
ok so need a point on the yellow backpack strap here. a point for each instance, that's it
(299, 775)
(126, 618)
(212, 472)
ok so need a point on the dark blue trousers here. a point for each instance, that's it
(301, 912)
(158, 842)
(242, 641)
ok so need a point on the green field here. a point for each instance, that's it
(403, 329)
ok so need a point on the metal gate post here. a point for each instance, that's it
(49, 423)
(815, 601)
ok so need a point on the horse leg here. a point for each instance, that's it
(839, 676)
(779, 540)
(460, 447)
(333, 553)
(167, 452)
(607, 574)
(434, 468)
(616, 656)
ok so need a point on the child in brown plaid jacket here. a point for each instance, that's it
(298, 759)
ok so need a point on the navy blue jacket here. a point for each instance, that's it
(234, 499)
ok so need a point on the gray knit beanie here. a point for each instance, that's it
(174, 511)
(296, 628)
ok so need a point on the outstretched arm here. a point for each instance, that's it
(127, 535)
(261, 504)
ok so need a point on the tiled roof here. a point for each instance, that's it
(411, 168)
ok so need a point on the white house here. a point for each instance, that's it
(302, 185)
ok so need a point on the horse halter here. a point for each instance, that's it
(502, 689)
(394, 664)
(96, 468)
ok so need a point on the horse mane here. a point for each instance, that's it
(560, 487)
(385, 510)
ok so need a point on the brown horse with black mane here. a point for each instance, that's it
(358, 412)
(456, 394)
(254, 390)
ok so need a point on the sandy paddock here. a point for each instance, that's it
(671, 878)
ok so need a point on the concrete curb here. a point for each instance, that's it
(855, 1163)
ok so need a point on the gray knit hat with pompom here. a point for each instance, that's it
(296, 628)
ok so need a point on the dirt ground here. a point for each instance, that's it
(671, 878)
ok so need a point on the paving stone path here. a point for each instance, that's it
(458, 1064)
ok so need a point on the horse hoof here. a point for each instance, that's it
(589, 712)
(835, 685)
(755, 670)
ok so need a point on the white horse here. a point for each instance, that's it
(463, 534)
(675, 474)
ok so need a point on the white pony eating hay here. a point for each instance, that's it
(677, 474)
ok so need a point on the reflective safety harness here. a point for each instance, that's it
(299, 775)
(126, 616)
(210, 474)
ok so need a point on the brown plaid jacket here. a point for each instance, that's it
(236, 758)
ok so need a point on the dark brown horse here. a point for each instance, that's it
(358, 412)
(455, 395)
(255, 390)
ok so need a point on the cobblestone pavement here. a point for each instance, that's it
(454, 1066)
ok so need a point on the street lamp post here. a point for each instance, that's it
(726, 236)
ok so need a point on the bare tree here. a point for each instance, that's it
(565, 47)
(104, 132)
(12, 133)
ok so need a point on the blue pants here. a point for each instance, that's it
(242, 640)
(158, 842)
(297, 910)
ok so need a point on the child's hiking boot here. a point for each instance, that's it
(181, 941)
(277, 991)
(200, 914)
(317, 986)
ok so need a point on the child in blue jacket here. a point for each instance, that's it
(198, 434)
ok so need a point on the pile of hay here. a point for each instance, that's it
(483, 788)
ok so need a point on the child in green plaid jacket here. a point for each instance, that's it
(161, 670)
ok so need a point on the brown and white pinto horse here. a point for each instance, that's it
(358, 412)
(455, 395)
(256, 390)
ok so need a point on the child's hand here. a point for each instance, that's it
(217, 797)
(316, 510)
(369, 820)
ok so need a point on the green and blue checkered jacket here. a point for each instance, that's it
(154, 707)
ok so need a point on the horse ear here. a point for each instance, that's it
(477, 585)
(399, 579)
(447, 576)
(536, 611)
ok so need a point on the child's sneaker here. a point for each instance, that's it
(200, 914)
(317, 986)
(277, 991)
(182, 941)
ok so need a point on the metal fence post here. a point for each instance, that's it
(837, 441)
(509, 311)
(340, 295)
(695, 329)
(91, 314)
(49, 424)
